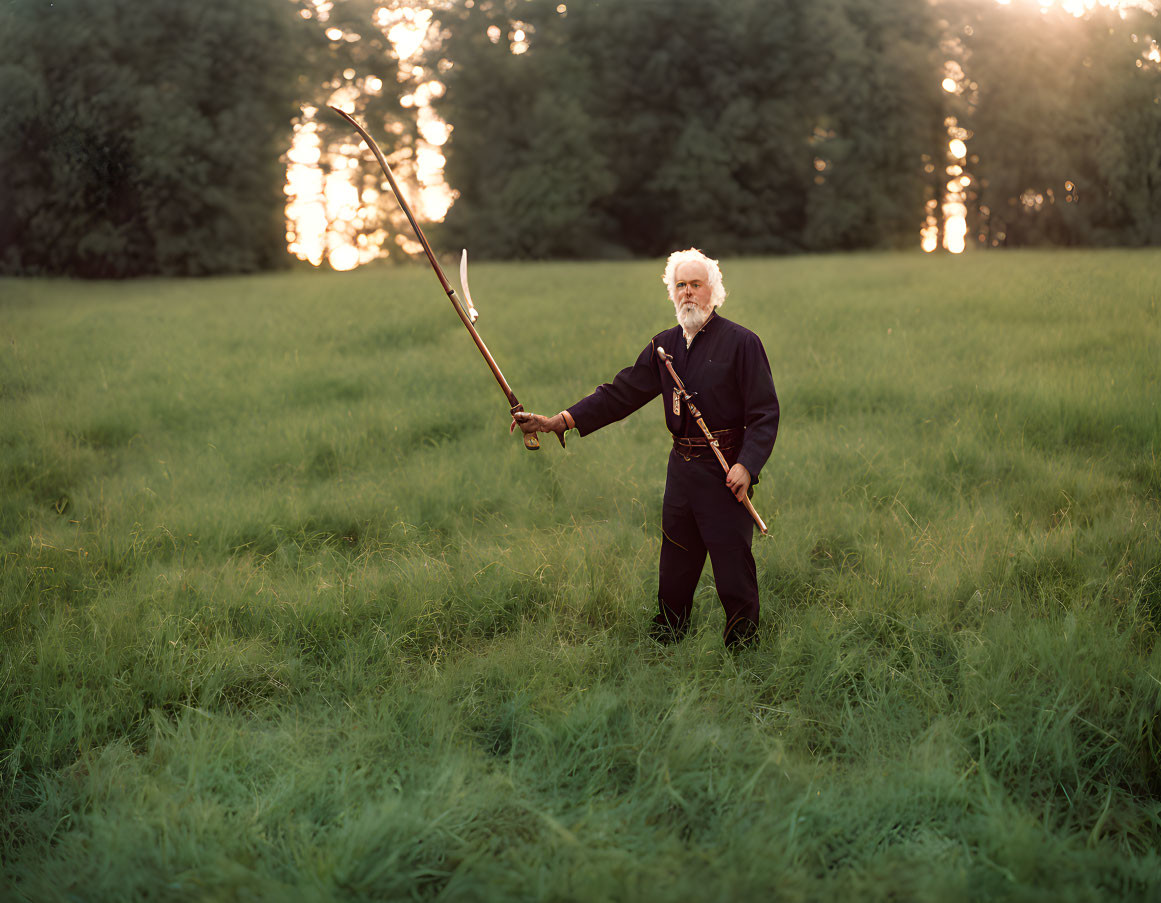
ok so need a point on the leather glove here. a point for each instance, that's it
(538, 423)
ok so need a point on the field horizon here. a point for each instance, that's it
(285, 613)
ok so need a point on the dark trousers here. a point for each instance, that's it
(700, 514)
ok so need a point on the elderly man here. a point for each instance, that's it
(725, 365)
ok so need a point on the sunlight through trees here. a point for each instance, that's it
(144, 138)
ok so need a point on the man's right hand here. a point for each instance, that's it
(538, 423)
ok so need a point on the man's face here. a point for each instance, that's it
(692, 296)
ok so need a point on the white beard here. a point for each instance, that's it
(691, 318)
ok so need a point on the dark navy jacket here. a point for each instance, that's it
(725, 370)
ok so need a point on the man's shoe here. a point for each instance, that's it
(664, 634)
(740, 633)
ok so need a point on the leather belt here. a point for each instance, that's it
(699, 447)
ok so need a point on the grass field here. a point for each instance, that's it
(285, 613)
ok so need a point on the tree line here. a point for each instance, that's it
(1065, 118)
(143, 137)
(806, 125)
(740, 125)
(148, 137)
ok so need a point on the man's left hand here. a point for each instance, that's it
(738, 480)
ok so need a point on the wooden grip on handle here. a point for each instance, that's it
(754, 514)
(530, 441)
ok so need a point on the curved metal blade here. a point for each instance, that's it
(473, 314)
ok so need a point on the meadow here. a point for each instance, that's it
(285, 613)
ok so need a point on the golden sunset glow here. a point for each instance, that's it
(953, 207)
(328, 217)
(929, 234)
(952, 211)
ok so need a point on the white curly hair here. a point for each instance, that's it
(717, 287)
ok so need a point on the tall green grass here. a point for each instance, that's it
(286, 613)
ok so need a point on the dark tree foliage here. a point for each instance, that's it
(525, 155)
(739, 126)
(145, 136)
(1065, 122)
(877, 88)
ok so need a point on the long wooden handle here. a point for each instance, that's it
(530, 441)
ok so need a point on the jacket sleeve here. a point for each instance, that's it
(760, 406)
(629, 391)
